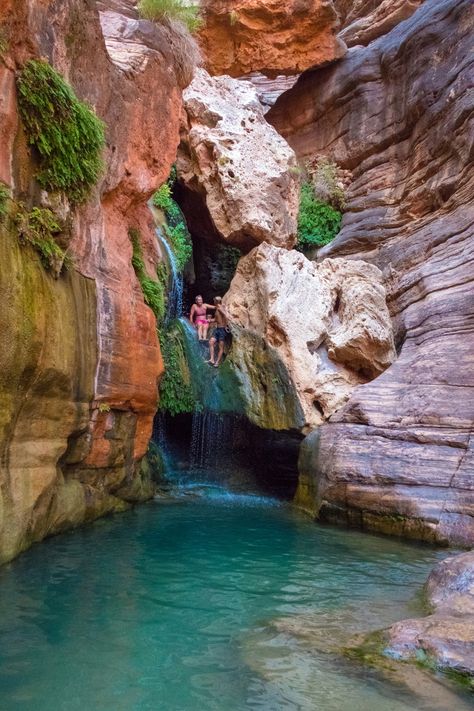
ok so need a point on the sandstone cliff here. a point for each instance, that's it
(399, 456)
(80, 359)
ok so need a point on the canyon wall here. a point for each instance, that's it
(399, 457)
(80, 360)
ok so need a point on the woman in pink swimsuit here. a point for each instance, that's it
(198, 317)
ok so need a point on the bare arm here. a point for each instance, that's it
(191, 315)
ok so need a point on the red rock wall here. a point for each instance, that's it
(400, 456)
(97, 354)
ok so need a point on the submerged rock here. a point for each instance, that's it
(241, 169)
(328, 323)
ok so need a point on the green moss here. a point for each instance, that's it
(153, 290)
(165, 10)
(176, 392)
(176, 229)
(66, 133)
(318, 222)
(4, 198)
(39, 228)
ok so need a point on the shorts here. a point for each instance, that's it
(202, 322)
(219, 334)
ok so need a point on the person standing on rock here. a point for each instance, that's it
(198, 317)
(219, 335)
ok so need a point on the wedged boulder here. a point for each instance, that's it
(328, 323)
(365, 20)
(270, 36)
(445, 639)
(237, 165)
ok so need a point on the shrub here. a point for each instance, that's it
(153, 291)
(176, 393)
(176, 230)
(169, 10)
(39, 228)
(4, 198)
(318, 222)
(66, 133)
(328, 181)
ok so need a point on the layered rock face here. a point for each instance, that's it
(240, 175)
(399, 456)
(328, 323)
(81, 359)
(445, 639)
(365, 20)
(269, 36)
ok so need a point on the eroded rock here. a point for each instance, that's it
(242, 36)
(399, 458)
(82, 362)
(327, 322)
(365, 20)
(444, 639)
(243, 172)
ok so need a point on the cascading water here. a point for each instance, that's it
(174, 307)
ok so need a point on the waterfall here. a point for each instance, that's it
(174, 307)
(210, 439)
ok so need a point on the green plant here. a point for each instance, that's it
(4, 198)
(328, 182)
(233, 18)
(176, 393)
(104, 407)
(153, 290)
(65, 132)
(180, 243)
(39, 228)
(166, 10)
(318, 222)
(164, 201)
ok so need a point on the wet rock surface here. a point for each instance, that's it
(445, 639)
(236, 165)
(79, 389)
(328, 323)
(399, 457)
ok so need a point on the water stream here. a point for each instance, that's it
(225, 603)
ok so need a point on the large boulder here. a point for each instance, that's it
(232, 161)
(270, 36)
(445, 639)
(328, 323)
(400, 456)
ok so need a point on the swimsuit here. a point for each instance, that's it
(220, 333)
(201, 319)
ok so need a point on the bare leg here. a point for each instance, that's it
(212, 344)
(220, 353)
(205, 329)
(200, 329)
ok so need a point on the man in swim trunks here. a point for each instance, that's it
(219, 335)
(198, 317)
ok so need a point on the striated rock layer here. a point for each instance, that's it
(399, 457)
(327, 323)
(235, 166)
(365, 20)
(81, 359)
(269, 36)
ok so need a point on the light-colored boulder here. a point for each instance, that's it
(328, 322)
(241, 168)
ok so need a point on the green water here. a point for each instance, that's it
(223, 604)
